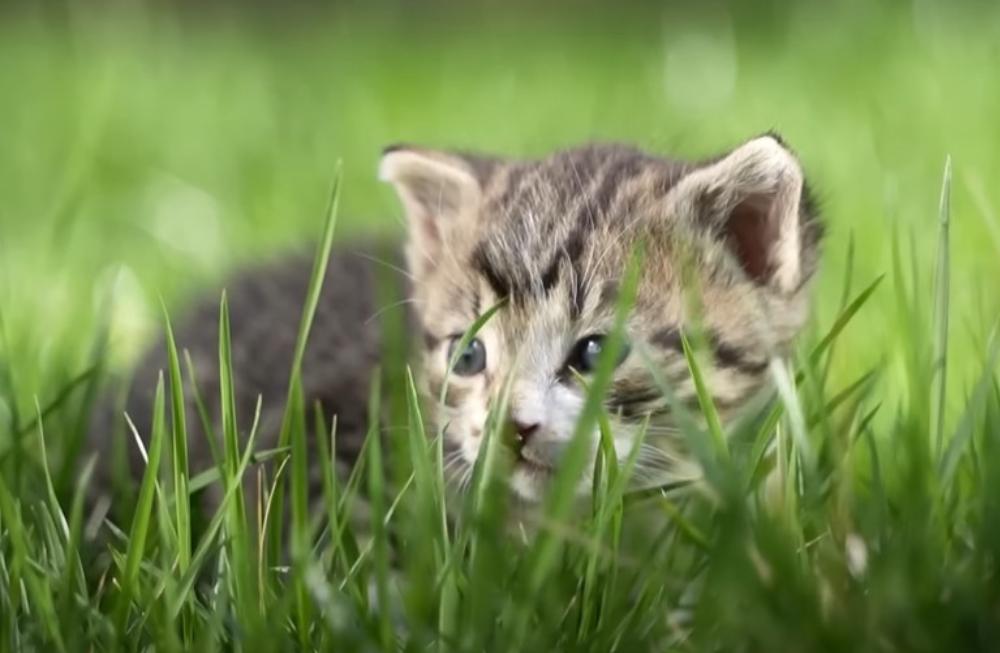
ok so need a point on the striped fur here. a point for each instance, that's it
(551, 238)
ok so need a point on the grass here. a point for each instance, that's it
(871, 542)
(855, 510)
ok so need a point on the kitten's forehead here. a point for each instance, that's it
(573, 185)
(564, 222)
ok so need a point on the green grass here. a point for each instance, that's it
(147, 152)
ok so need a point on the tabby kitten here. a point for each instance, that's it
(551, 238)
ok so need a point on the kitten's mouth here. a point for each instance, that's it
(533, 466)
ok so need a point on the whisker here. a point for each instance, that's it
(402, 302)
(375, 259)
(452, 467)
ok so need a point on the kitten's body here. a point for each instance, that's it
(550, 239)
(265, 306)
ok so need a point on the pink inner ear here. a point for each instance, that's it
(751, 231)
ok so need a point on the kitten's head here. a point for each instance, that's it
(553, 238)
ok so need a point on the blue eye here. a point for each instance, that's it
(472, 359)
(587, 352)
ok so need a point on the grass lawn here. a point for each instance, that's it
(146, 152)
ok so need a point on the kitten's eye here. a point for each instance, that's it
(587, 352)
(471, 361)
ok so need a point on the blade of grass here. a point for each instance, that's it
(429, 502)
(143, 515)
(10, 389)
(705, 400)
(843, 319)
(845, 297)
(942, 289)
(341, 555)
(50, 488)
(73, 583)
(238, 542)
(608, 515)
(212, 475)
(963, 436)
(211, 437)
(376, 498)
(179, 449)
(863, 382)
(784, 381)
(300, 509)
(449, 596)
(234, 484)
(316, 279)
(59, 399)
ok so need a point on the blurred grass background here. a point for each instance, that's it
(146, 149)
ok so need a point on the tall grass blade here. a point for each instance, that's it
(208, 542)
(179, 450)
(134, 556)
(705, 401)
(300, 531)
(974, 409)
(238, 545)
(316, 280)
(376, 499)
(74, 580)
(942, 291)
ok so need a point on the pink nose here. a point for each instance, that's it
(525, 431)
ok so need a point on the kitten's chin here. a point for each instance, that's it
(530, 481)
(525, 488)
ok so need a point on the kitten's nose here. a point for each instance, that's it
(524, 430)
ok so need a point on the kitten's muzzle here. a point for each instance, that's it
(521, 434)
(524, 431)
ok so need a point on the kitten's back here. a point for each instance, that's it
(360, 291)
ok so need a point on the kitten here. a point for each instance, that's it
(551, 238)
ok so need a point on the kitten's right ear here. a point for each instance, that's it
(754, 201)
(437, 191)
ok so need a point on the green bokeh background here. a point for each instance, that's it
(147, 150)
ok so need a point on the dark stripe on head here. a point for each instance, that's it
(668, 338)
(609, 295)
(665, 182)
(513, 184)
(573, 250)
(551, 275)
(577, 296)
(616, 174)
(573, 247)
(476, 303)
(481, 263)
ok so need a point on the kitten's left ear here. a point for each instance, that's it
(753, 200)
